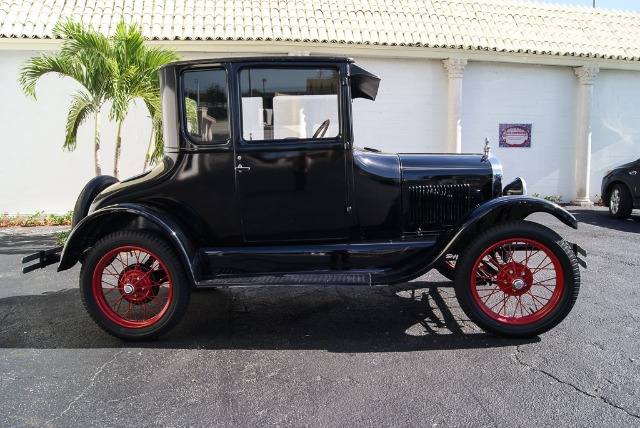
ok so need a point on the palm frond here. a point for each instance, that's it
(157, 57)
(89, 48)
(137, 70)
(82, 40)
(37, 67)
(82, 106)
(154, 105)
(158, 148)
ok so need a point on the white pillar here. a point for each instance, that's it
(455, 70)
(586, 76)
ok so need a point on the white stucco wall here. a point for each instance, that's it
(410, 115)
(35, 173)
(542, 96)
(616, 123)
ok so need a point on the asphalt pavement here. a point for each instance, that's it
(325, 356)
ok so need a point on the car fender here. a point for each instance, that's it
(88, 194)
(118, 217)
(505, 208)
(483, 216)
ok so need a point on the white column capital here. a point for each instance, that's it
(455, 66)
(587, 74)
(455, 70)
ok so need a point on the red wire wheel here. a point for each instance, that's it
(131, 287)
(517, 279)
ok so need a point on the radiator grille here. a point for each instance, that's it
(437, 204)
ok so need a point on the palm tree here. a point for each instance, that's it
(83, 58)
(134, 70)
(120, 69)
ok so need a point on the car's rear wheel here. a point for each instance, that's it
(620, 203)
(133, 285)
(517, 279)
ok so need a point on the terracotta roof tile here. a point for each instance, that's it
(497, 25)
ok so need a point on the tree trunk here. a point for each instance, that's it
(116, 160)
(96, 145)
(147, 156)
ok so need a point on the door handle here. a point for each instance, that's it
(633, 172)
(241, 168)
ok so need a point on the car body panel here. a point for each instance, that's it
(239, 207)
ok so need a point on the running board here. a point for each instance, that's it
(288, 279)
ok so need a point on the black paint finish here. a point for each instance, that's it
(236, 209)
(625, 175)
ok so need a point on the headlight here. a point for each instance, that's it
(516, 187)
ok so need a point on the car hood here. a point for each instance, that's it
(624, 166)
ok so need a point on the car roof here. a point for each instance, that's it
(254, 59)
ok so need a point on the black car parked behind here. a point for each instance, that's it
(620, 189)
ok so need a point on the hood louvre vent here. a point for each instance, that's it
(432, 205)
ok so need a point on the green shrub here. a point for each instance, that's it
(36, 219)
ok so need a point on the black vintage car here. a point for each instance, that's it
(620, 190)
(263, 183)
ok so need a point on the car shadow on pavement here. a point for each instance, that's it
(409, 317)
(599, 216)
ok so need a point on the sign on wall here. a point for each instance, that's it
(515, 135)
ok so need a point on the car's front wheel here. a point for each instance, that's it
(517, 279)
(620, 203)
(133, 285)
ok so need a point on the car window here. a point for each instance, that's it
(289, 103)
(205, 105)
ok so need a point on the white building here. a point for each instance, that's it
(452, 73)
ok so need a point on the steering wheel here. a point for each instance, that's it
(322, 129)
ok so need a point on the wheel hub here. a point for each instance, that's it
(615, 201)
(518, 284)
(135, 284)
(515, 279)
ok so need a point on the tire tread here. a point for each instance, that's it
(547, 237)
(179, 280)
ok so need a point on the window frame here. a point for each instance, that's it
(284, 142)
(183, 106)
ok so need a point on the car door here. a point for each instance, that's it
(633, 178)
(290, 154)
